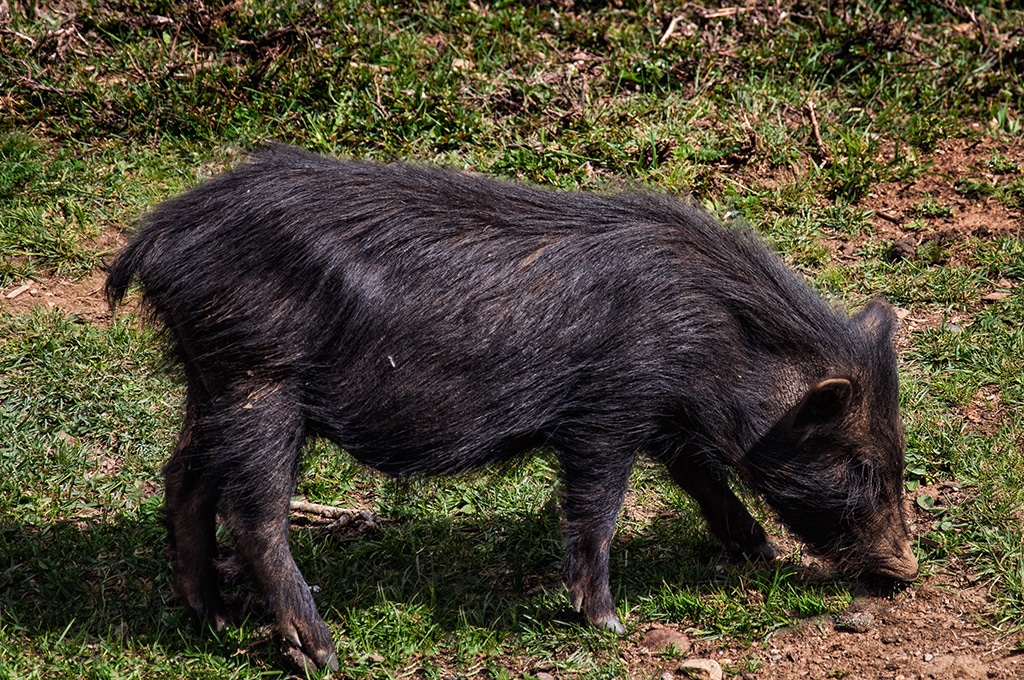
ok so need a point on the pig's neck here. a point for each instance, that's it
(758, 399)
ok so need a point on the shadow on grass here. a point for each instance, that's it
(425, 579)
(93, 575)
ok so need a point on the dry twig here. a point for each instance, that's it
(39, 87)
(723, 12)
(824, 156)
(331, 516)
(670, 30)
(968, 15)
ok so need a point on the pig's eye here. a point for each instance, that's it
(862, 468)
(864, 472)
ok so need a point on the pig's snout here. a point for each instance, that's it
(898, 563)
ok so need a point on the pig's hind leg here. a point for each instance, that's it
(595, 487)
(190, 507)
(261, 466)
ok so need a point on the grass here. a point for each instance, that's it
(111, 106)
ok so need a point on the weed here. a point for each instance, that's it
(930, 207)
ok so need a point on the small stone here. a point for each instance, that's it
(667, 675)
(544, 676)
(995, 296)
(701, 669)
(903, 249)
(855, 621)
(928, 657)
(665, 640)
(959, 666)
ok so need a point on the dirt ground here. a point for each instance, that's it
(934, 630)
(78, 297)
(928, 632)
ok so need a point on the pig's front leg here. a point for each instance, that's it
(726, 515)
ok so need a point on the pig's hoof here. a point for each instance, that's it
(766, 551)
(217, 614)
(230, 610)
(309, 649)
(306, 666)
(612, 625)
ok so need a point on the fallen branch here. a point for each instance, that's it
(968, 15)
(328, 511)
(39, 87)
(888, 216)
(27, 38)
(331, 516)
(18, 291)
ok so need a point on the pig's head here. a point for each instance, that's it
(832, 467)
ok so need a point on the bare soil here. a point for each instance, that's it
(928, 631)
(938, 628)
(81, 298)
(896, 205)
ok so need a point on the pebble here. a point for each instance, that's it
(665, 640)
(855, 621)
(544, 676)
(903, 249)
(957, 666)
(701, 669)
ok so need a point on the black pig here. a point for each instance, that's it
(432, 322)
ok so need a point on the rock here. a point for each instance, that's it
(544, 676)
(958, 667)
(660, 639)
(903, 249)
(701, 669)
(858, 618)
(855, 621)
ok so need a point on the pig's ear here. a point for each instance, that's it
(878, 319)
(824, 403)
